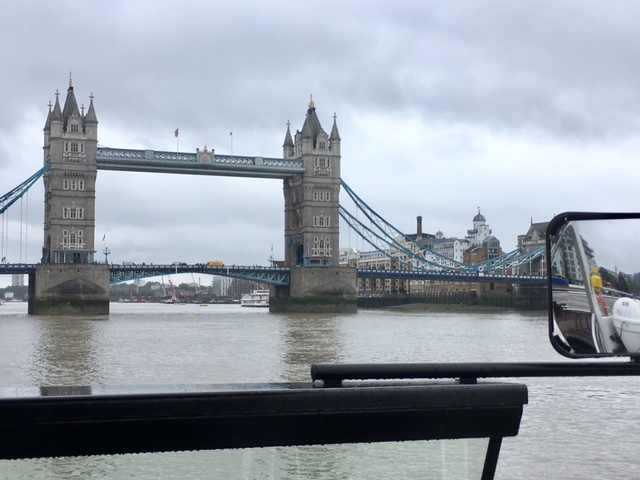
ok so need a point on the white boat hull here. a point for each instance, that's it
(626, 321)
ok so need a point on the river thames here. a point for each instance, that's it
(572, 428)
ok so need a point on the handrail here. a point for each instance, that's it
(333, 374)
(99, 420)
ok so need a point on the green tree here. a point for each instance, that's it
(621, 283)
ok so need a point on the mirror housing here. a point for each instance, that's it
(593, 260)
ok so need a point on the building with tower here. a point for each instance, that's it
(70, 143)
(67, 281)
(480, 231)
(311, 200)
(311, 224)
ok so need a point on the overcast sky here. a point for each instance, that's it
(525, 109)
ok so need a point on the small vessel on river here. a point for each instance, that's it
(257, 298)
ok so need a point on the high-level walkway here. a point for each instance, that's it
(200, 163)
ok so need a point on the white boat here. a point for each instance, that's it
(257, 298)
(626, 321)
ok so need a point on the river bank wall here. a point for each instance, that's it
(530, 300)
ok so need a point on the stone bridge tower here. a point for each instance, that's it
(68, 280)
(312, 219)
(70, 143)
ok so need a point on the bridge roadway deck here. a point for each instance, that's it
(270, 275)
(199, 163)
(17, 268)
(279, 275)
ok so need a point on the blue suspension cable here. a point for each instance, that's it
(511, 259)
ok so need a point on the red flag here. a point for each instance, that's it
(176, 132)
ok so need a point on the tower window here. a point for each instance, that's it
(74, 128)
(322, 162)
(322, 166)
(321, 247)
(72, 184)
(73, 213)
(321, 221)
(321, 196)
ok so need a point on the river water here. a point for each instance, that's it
(572, 428)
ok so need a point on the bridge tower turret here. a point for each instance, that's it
(312, 219)
(67, 273)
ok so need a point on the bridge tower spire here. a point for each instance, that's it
(68, 253)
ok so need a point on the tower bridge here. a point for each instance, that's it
(69, 279)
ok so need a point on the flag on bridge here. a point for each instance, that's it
(176, 132)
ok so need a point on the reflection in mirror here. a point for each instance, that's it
(594, 309)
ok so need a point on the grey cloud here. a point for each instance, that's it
(505, 96)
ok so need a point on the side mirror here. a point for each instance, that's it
(593, 270)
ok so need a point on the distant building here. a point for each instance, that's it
(479, 232)
(220, 286)
(17, 280)
(459, 250)
(533, 240)
(450, 247)
(565, 262)
(487, 250)
(373, 260)
(476, 247)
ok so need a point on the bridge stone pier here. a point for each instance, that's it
(68, 289)
(69, 280)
